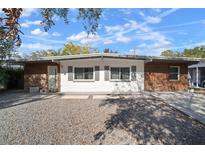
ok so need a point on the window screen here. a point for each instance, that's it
(83, 73)
(120, 73)
(174, 73)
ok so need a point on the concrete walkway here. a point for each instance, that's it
(189, 103)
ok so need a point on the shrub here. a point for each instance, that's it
(11, 78)
(4, 76)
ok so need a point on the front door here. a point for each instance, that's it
(52, 78)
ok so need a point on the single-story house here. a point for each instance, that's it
(197, 74)
(107, 73)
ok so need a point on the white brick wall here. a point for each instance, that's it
(101, 86)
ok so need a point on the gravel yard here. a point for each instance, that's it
(136, 119)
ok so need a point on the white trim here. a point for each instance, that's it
(119, 80)
(83, 80)
(178, 75)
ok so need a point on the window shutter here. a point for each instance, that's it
(70, 73)
(107, 73)
(97, 73)
(133, 71)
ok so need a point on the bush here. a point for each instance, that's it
(4, 76)
(15, 78)
(11, 78)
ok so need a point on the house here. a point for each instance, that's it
(197, 75)
(107, 73)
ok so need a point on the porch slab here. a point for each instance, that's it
(75, 97)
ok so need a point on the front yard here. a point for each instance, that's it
(142, 118)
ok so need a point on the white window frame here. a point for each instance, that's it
(93, 79)
(178, 75)
(120, 80)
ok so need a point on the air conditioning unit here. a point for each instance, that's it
(33, 89)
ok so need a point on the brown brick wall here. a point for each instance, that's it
(35, 74)
(157, 77)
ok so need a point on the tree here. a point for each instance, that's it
(6, 48)
(72, 49)
(68, 49)
(108, 50)
(40, 53)
(4, 76)
(170, 53)
(197, 52)
(10, 27)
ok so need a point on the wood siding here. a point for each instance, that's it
(36, 74)
(157, 77)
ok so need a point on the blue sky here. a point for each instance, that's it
(128, 31)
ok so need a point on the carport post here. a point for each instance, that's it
(197, 77)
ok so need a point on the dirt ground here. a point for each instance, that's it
(54, 119)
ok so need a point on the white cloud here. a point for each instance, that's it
(125, 11)
(38, 32)
(28, 23)
(111, 29)
(103, 16)
(152, 42)
(141, 13)
(184, 24)
(162, 44)
(168, 12)
(122, 39)
(183, 33)
(84, 38)
(43, 39)
(36, 46)
(156, 10)
(56, 34)
(142, 45)
(78, 37)
(28, 12)
(131, 24)
(153, 20)
(108, 41)
(116, 33)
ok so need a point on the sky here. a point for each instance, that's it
(127, 31)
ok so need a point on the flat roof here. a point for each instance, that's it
(113, 55)
(94, 55)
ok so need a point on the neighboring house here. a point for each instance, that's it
(197, 74)
(107, 73)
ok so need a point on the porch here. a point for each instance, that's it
(197, 75)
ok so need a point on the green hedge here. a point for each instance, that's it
(11, 78)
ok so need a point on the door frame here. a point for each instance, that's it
(56, 76)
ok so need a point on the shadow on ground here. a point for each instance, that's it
(151, 121)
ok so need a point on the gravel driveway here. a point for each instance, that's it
(136, 119)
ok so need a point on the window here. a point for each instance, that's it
(174, 73)
(83, 73)
(120, 73)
